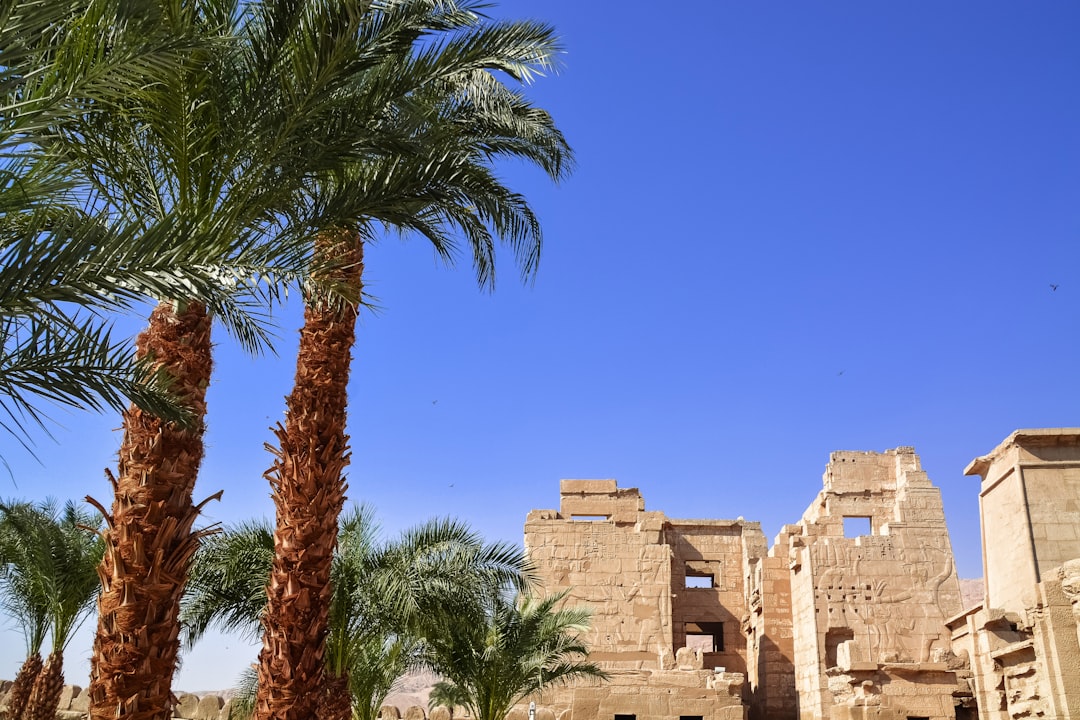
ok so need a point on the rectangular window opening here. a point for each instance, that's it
(708, 637)
(699, 581)
(691, 717)
(855, 526)
(619, 716)
(590, 518)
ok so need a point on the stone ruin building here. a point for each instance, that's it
(854, 613)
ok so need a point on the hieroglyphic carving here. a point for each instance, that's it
(882, 618)
(1070, 586)
(1023, 691)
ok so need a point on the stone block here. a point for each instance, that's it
(186, 705)
(389, 712)
(689, 659)
(441, 712)
(81, 702)
(209, 708)
(67, 695)
(415, 712)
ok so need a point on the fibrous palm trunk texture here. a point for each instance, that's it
(149, 541)
(21, 687)
(335, 702)
(309, 492)
(45, 695)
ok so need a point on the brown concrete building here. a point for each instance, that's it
(855, 612)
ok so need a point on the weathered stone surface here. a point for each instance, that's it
(691, 616)
(81, 702)
(631, 568)
(69, 693)
(209, 707)
(1023, 641)
(186, 706)
(441, 712)
(389, 712)
(415, 712)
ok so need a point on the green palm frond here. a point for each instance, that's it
(58, 250)
(507, 648)
(243, 702)
(226, 585)
(22, 592)
(386, 593)
(51, 556)
(75, 362)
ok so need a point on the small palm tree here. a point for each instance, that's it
(57, 557)
(507, 649)
(21, 597)
(383, 594)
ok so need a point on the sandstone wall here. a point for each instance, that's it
(875, 603)
(1024, 640)
(622, 573)
(711, 551)
(768, 629)
(630, 567)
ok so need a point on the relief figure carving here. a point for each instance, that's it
(1070, 586)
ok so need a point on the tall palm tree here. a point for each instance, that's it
(507, 649)
(457, 118)
(223, 149)
(56, 555)
(384, 592)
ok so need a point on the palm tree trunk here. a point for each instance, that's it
(21, 687)
(308, 492)
(336, 702)
(148, 540)
(45, 696)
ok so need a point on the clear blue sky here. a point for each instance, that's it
(795, 227)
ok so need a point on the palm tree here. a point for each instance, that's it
(55, 557)
(221, 150)
(22, 598)
(75, 550)
(458, 118)
(507, 649)
(384, 592)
